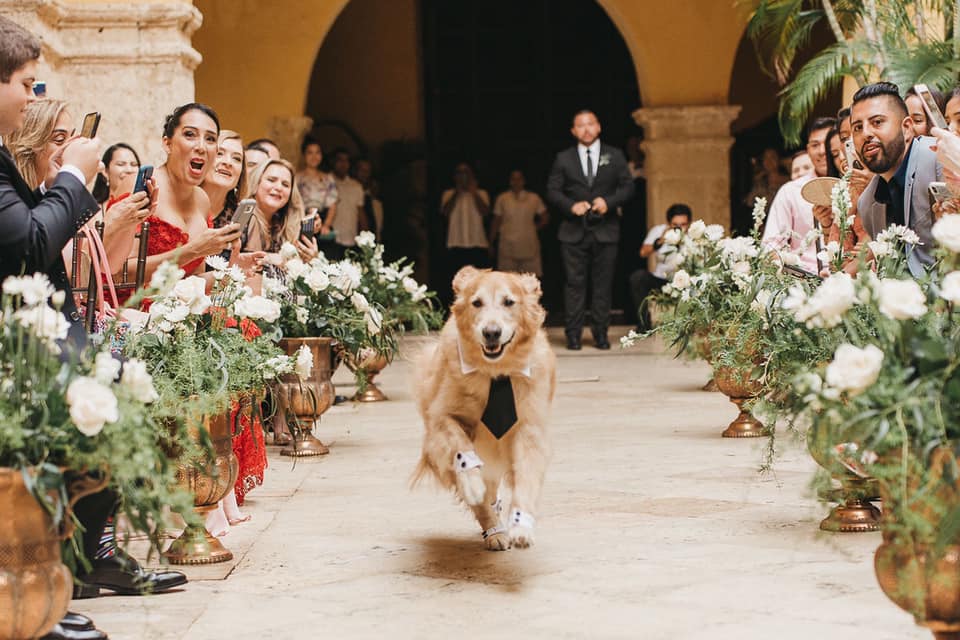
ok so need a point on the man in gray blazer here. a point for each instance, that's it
(905, 166)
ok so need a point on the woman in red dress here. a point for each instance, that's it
(179, 230)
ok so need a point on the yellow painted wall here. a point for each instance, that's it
(372, 55)
(258, 55)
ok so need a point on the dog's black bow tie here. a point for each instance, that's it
(501, 412)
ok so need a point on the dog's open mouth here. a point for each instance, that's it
(494, 351)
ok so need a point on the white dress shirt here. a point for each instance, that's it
(594, 156)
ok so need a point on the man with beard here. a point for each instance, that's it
(791, 217)
(905, 165)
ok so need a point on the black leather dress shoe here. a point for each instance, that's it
(601, 343)
(339, 399)
(59, 632)
(77, 622)
(123, 575)
(573, 344)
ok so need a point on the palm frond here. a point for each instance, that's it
(932, 63)
(813, 81)
(779, 29)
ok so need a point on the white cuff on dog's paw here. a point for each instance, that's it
(521, 519)
(492, 531)
(466, 460)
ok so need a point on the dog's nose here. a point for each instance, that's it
(490, 334)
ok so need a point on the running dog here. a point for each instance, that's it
(484, 391)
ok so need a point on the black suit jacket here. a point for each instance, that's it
(34, 229)
(567, 185)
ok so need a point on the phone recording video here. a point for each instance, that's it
(930, 106)
(91, 122)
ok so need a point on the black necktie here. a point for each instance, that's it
(501, 412)
(589, 169)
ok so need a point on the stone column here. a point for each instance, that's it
(132, 62)
(687, 160)
(288, 132)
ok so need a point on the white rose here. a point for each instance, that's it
(43, 322)
(296, 268)
(854, 369)
(317, 279)
(288, 252)
(833, 298)
(697, 229)
(91, 405)
(681, 280)
(950, 287)
(176, 312)
(366, 239)
(138, 381)
(192, 292)
(901, 299)
(714, 232)
(304, 363)
(359, 301)
(346, 277)
(302, 314)
(273, 287)
(257, 308)
(165, 277)
(672, 236)
(946, 231)
(105, 367)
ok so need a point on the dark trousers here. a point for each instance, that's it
(642, 284)
(582, 260)
(93, 511)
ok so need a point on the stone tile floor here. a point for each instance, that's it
(651, 527)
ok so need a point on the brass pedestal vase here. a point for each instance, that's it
(307, 399)
(209, 478)
(370, 365)
(854, 512)
(923, 582)
(739, 388)
(35, 585)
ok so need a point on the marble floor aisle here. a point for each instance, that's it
(651, 527)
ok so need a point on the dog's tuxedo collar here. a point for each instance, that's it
(466, 368)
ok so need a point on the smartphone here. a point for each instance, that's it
(930, 106)
(306, 228)
(939, 191)
(850, 151)
(91, 122)
(143, 175)
(244, 212)
(800, 273)
(40, 89)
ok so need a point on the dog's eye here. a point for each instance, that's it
(508, 302)
(478, 303)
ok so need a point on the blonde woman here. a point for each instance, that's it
(279, 215)
(37, 145)
(226, 179)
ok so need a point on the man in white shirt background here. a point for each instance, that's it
(465, 207)
(518, 216)
(643, 282)
(350, 217)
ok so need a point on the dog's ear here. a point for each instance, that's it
(531, 285)
(463, 279)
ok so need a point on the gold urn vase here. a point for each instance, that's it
(35, 586)
(737, 385)
(854, 512)
(307, 399)
(209, 478)
(923, 582)
(369, 364)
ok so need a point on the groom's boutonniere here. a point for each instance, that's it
(604, 160)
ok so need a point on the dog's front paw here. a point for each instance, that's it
(471, 487)
(521, 529)
(499, 541)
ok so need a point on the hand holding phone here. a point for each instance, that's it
(91, 122)
(307, 228)
(930, 106)
(850, 152)
(244, 212)
(143, 176)
(938, 192)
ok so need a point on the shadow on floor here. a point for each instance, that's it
(465, 560)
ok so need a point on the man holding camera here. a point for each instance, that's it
(643, 282)
(588, 183)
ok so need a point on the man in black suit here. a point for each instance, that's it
(589, 182)
(34, 228)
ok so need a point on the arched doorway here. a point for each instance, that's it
(431, 83)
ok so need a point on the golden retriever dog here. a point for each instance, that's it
(493, 343)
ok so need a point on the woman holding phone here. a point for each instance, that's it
(180, 228)
(279, 216)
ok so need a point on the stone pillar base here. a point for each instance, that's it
(688, 160)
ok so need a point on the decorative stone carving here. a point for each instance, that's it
(132, 61)
(288, 132)
(688, 159)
